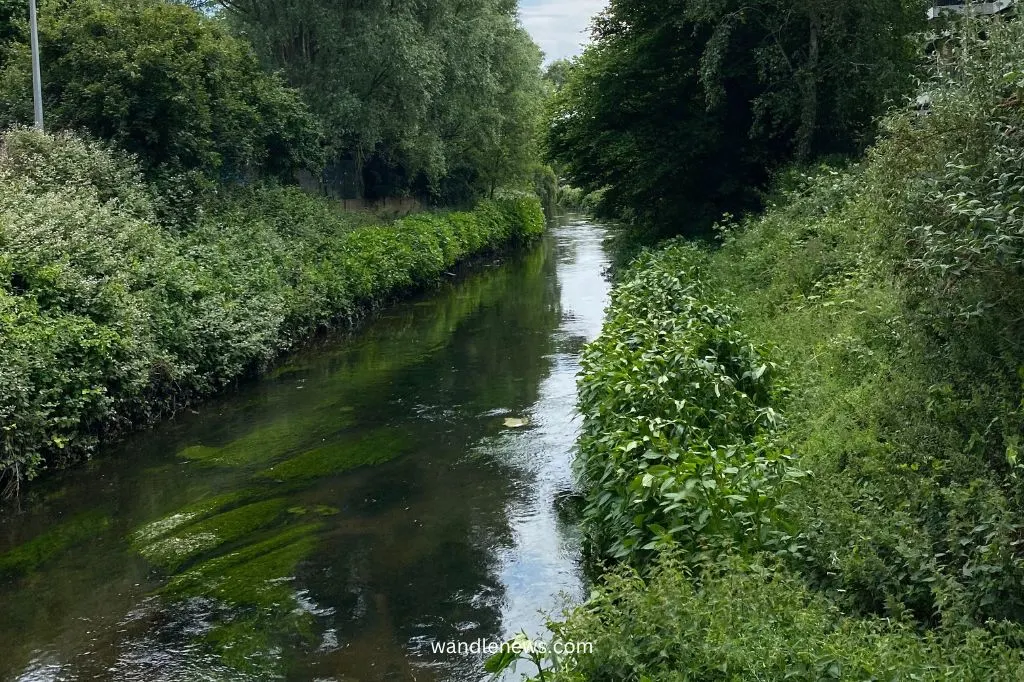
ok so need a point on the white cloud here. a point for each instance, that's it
(560, 27)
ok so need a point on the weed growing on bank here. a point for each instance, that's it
(751, 620)
(110, 318)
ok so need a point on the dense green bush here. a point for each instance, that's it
(907, 515)
(545, 186)
(677, 446)
(575, 199)
(894, 291)
(110, 319)
(757, 622)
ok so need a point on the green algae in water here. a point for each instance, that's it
(256, 447)
(186, 515)
(173, 550)
(256, 583)
(255, 575)
(320, 510)
(251, 645)
(291, 368)
(270, 442)
(380, 446)
(29, 556)
(203, 453)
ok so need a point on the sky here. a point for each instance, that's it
(559, 26)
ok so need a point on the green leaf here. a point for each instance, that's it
(500, 661)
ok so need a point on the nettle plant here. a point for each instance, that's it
(678, 445)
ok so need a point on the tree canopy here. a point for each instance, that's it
(164, 82)
(682, 108)
(442, 100)
(438, 98)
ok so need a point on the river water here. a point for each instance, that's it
(377, 496)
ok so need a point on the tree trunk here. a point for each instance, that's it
(809, 89)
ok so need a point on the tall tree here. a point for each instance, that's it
(682, 108)
(414, 95)
(164, 82)
(557, 72)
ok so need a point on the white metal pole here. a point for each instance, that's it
(37, 81)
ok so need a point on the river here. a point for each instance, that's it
(378, 495)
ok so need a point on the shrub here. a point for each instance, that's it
(757, 622)
(677, 446)
(895, 291)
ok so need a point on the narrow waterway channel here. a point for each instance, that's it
(377, 496)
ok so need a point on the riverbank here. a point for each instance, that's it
(801, 446)
(115, 315)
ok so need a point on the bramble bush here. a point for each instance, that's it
(109, 318)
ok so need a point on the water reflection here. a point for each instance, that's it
(336, 519)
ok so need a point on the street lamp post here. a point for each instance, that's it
(37, 81)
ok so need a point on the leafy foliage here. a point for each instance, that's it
(756, 622)
(438, 98)
(110, 319)
(681, 108)
(889, 295)
(165, 83)
(899, 308)
(677, 446)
